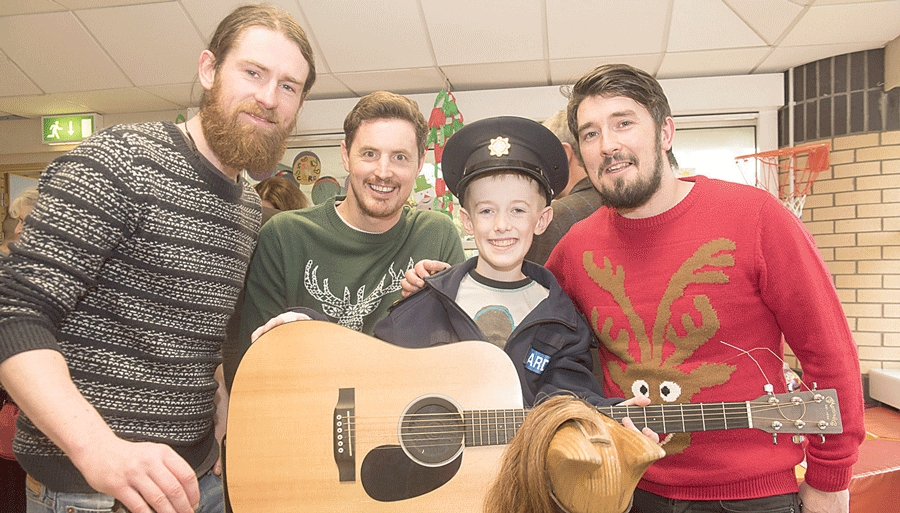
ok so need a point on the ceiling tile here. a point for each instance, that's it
(39, 105)
(12, 7)
(475, 32)
(183, 95)
(880, 25)
(737, 61)
(400, 81)
(207, 15)
(113, 101)
(768, 18)
(497, 75)
(94, 4)
(127, 32)
(368, 35)
(57, 53)
(585, 29)
(327, 86)
(14, 82)
(119, 101)
(708, 25)
(783, 58)
(570, 70)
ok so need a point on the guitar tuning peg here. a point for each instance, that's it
(798, 439)
(769, 389)
(774, 438)
(822, 438)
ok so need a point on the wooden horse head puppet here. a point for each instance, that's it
(568, 458)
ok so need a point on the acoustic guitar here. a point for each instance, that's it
(323, 418)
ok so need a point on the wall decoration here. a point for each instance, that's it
(324, 189)
(307, 167)
(445, 120)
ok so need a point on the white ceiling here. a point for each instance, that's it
(117, 56)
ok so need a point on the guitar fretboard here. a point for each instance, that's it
(683, 418)
(497, 427)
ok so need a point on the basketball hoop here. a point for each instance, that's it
(789, 173)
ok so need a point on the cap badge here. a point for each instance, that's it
(499, 146)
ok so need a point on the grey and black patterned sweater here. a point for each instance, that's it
(130, 265)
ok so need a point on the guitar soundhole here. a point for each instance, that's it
(432, 431)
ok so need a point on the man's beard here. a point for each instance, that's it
(624, 195)
(377, 209)
(242, 145)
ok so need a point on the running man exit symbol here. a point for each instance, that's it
(69, 128)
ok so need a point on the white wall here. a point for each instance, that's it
(758, 96)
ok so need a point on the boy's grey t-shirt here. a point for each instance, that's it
(498, 307)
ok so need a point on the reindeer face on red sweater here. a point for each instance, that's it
(657, 369)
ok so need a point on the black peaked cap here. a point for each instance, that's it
(505, 143)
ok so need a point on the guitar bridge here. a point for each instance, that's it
(343, 424)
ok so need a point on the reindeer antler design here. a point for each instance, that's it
(691, 272)
(650, 373)
(613, 281)
(347, 313)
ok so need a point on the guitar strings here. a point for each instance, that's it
(747, 352)
(423, 424)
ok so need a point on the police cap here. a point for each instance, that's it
(505, 143)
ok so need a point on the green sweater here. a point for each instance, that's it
(311, 258)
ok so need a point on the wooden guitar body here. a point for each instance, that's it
(306, 433)
(323, 418)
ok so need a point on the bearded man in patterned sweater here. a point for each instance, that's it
(114, 302)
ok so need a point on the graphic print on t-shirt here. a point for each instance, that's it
(348, 313)
(656, 373)
(496, 323)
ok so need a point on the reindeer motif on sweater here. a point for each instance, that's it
(651, 363)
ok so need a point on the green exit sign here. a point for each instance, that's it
(69, 128)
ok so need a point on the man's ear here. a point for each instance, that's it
(570, 153)
(207, 69)
(544, 220)
(466, 221)
(667, 134)
(345, 155)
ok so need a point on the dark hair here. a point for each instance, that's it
(267, 16)
(282, 193)
(620, 80)
(385, 105)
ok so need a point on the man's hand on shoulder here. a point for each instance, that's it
(413, 279)
(817, 501)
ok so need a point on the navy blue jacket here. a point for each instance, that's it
(554, 329)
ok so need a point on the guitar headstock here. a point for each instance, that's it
(813, 412)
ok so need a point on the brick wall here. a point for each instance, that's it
(853, 212)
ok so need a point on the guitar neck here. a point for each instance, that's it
(684, 418)
(497, 427)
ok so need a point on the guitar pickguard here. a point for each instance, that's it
(388, 475)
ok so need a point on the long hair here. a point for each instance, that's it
(523, 486)
(282, 193)
(567, 457)
(261, 15)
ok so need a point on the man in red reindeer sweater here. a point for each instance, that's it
(689, 285)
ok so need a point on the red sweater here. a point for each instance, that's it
(729, 263)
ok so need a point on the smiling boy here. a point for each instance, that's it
(504, 171)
